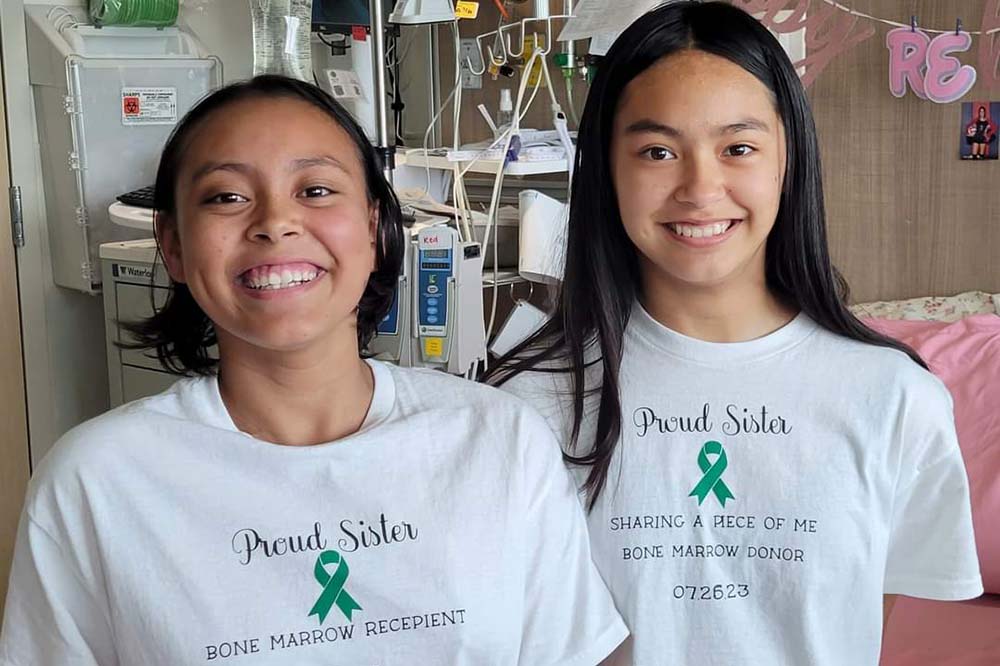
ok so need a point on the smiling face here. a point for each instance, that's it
(273, 234)
(698, 160)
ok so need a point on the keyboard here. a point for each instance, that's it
(141, 198)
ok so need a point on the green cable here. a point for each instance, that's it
(148, 13)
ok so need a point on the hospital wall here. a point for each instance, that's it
(906, 216)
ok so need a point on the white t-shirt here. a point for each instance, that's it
(445, 531)
(766, 494)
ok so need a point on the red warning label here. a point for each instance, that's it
(130, 105)
(149, 106)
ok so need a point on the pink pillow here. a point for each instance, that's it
(965, 355)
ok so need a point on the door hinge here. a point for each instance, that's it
(16, 216)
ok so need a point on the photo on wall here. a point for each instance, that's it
(979, 130)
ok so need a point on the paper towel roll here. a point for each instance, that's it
(542, 237)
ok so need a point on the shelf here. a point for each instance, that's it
(416, 158)
(505, 277)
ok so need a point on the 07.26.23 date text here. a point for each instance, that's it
(711, 592)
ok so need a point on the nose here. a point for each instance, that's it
(702, 182)
(276, 219)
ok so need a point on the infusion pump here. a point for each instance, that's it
(436, 319)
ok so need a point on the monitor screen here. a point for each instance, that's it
(340, 15)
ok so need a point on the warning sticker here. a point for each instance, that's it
(344, 84)
(149, 106)
(466, 9)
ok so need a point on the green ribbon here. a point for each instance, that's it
(333, 587)
(711, 480)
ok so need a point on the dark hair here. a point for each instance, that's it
(602, 279)
(180, 332)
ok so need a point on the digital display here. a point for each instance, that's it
(332, 14)
(435, 266)
(435, 254)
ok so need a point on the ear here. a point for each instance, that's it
(169, 241)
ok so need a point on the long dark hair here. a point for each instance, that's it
(602, 279)
(180, 332)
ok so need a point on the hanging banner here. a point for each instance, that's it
(920, 60)
(927, 64)
(989, 45)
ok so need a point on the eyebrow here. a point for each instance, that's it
(242, 168)
(320, 160)
(646, 125)
(210, 167)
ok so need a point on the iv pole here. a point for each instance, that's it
(386, 151)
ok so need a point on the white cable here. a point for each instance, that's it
(457, 107)
(897, 24)
(59, 22)
(509, 131)
(519, 112)
(427, 134)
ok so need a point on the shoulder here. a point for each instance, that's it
(81, 457)
(501, 423)
(421, 389)
(875, 365)
(891, 385)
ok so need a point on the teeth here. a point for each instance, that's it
(277, 279)
(700, 231)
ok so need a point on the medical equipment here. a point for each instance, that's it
(415, 12)
(436, 319)
(129, 272)
(448, 282)
(350, 80)
(105, 100)
(513, 150)
(329, 16)
(281, 30)
(392, 341)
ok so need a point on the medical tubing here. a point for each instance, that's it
(520, 110)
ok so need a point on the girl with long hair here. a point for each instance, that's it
(762, 471)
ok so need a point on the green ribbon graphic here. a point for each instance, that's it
(711, 480)
(333, 587)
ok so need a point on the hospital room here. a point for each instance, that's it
(500, 332)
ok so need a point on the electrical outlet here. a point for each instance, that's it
(469, 51)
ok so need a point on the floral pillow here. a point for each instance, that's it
(932, 308)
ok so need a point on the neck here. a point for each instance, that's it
(736, 311)
(296, 398)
